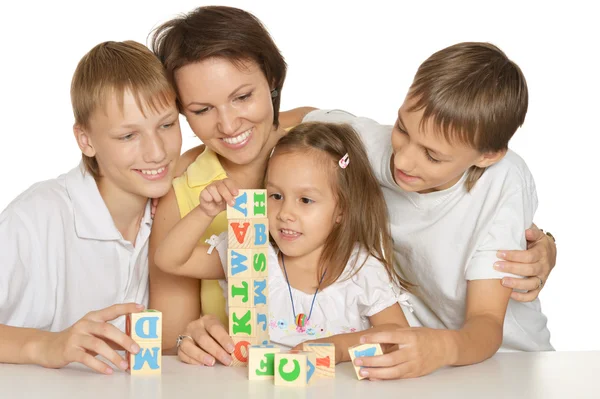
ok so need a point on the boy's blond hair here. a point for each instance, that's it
(474, 95)
(109, 69)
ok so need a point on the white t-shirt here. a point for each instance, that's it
(61, 255)
(343, 307)
(446, 238)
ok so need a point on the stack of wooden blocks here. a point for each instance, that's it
(247, 272)
(145, 328)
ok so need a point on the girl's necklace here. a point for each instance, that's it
(301, 319)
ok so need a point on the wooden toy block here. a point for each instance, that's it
(361, 351)
(325, 358)
(260, 291)
(242, 322)
(261, 362)
(148, 360)
(240, 353)
(247, 263)
(249, 204)
(262, 325)
(240, 292)
(144, 326)
(294, 368)
(248, 233)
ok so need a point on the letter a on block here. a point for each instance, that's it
(240, 229)
(240, 204)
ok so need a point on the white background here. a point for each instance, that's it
(360, 58)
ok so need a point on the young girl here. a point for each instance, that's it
(331, 256)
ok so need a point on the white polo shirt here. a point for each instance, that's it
(61, 255)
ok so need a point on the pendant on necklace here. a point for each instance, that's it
(301, 320)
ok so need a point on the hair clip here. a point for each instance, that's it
(344, 161)
(274, 93)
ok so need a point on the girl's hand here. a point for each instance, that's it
(88, 337)
(216, 196)
(419, 351)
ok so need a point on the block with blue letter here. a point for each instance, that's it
(362, 351)
(145, 328)
(294, 368)
(247, 263)
(249, 204)
(248, 233)
(325, 362)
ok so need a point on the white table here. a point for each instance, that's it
(547, 375)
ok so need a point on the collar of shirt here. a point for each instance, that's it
(92, 218)
(205, 169)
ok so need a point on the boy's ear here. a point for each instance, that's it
(489, 158)
(84, 141)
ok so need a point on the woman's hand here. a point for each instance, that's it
(205, 340)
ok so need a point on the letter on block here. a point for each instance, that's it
(248, 233)
(242, 322)
(249, 204)
(262, 325)
(241, 351)
(294, 368)
(145, 328)
(240, 291)
(325, 358)
(361, 351)
(261, 362)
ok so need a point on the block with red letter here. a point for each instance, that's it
(248, 233)
(361, 351)
(145, 328)
(325, 358)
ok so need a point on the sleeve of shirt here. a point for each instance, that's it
(507, 232)
(16, 271)
(376, 289)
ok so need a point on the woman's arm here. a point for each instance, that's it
(178, 298)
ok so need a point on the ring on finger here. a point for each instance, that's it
(180, 338)
(541, 284)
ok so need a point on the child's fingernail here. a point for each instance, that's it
(364, 373)
(108, 370)
(499, 265)
(227, 360)
(507, 283)
(230, 348)
(358, 362)
(123, 365)
(139, 306)
(135, 348)
(501, 255)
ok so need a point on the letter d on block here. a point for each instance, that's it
(151, 322)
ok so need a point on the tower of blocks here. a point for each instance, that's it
(145, 328)
(361, 351)
(247, 273)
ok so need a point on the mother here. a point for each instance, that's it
(229, 75)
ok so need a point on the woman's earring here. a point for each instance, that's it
(274, 93)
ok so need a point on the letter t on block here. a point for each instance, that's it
(145, 328)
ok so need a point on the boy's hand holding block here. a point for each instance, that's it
(261, 362)
(294, 368)
(361, 351)
(325, 358)
(145, 328)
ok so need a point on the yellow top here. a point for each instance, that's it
(203, 171)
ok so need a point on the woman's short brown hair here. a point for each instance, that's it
(109, 69)
(225, 32)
